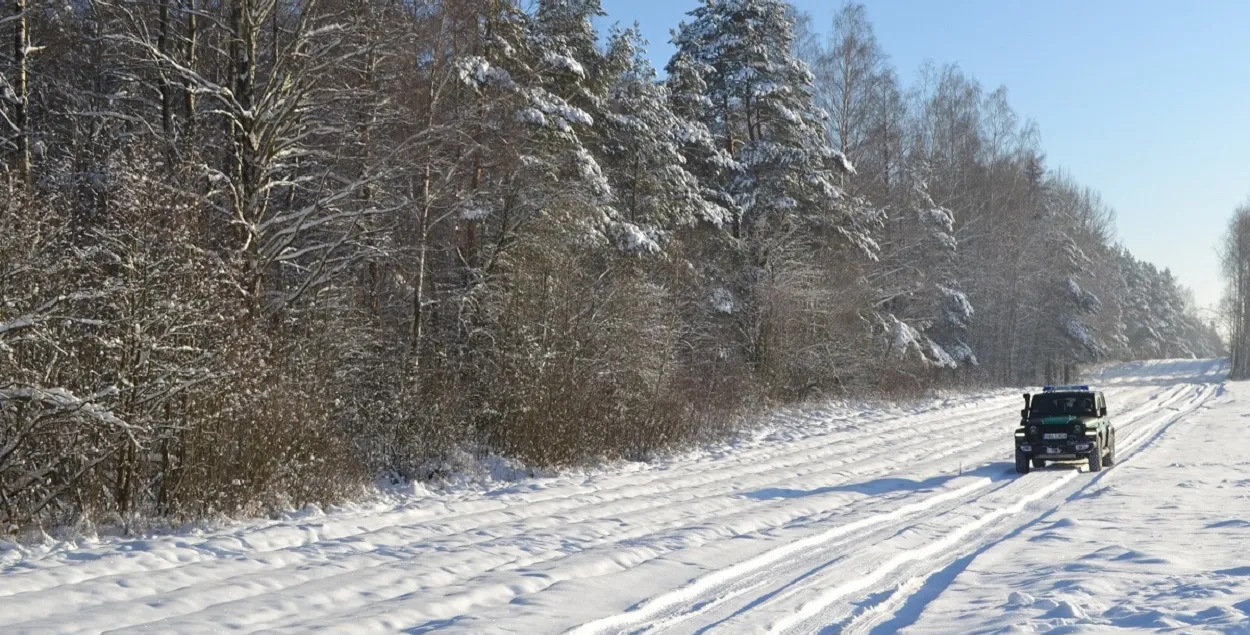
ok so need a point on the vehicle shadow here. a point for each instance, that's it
(884, 485)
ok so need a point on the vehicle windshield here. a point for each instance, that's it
(1049, 405)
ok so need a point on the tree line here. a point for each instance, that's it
(1235, 303)
(253, 252)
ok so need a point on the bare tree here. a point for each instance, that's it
(850, 74)
(1235, 258)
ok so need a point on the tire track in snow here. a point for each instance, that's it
(829, 445)
(380, 588)
(1141, 435)
(500, 592)
(888, 612)
(790, 462)
(656, 606)
(278, 537)
(659, 605)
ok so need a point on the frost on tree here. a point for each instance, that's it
(640, 142)
(757, 102)
(921, 288)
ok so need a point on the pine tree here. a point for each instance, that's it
(1064, 307)
(710, 162)
(640, 141)
(763, 113)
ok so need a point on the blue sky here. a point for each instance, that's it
(1146, 101)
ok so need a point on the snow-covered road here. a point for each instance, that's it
(836, 520)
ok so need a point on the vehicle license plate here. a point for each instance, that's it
(1055, 435)
(1052, 450)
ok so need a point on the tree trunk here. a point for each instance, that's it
(166, 87)
(21, 113)
(192, 40)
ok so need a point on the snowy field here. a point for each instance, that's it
(839, 520)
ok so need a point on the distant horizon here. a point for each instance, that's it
(1156, 130)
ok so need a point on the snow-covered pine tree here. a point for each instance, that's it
(1158, 320)
(760, 109)
(1063, 304)
(640, 141)
(708, 160)
(574, 70)
(570, 61)
(924, 312)
(792, 272)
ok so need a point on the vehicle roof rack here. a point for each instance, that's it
(1074, 388)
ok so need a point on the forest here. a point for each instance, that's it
(255, 253)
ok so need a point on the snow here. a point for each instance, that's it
(65, 401)
(475, 212)
(1157, 543)
(960, 308)
(566, 63)
(1080, 333)
(477, 71)
(531, 116)
(834, 518)
(906, 341)
(723, 300)
(844, 163)
(940, 219)
(631, 238)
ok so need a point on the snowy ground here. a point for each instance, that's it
(836, 520)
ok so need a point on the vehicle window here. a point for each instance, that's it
(1053, 405)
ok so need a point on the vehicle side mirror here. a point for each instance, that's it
(1024, 413)
(1102, 412)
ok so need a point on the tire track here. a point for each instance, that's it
(674, 531)
(829, 445)
(254, 542)
(926, 561)
(643, 613)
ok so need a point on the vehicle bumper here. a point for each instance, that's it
(1058, 450)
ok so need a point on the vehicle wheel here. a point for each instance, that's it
(1095, 460)
(1022, 462)
(1110, 460)
(1039, 463)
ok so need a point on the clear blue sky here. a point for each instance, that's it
(1146, 101)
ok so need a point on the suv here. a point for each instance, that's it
(1064, 423)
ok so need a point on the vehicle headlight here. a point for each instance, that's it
(1078, 428)
(1033, 430)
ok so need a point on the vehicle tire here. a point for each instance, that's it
(1110, 460)
(1039, 463)
(1022, 462)
(1095, 460)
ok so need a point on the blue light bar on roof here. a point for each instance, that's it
(1065, 388)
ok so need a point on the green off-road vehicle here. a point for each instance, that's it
(1064, 423)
